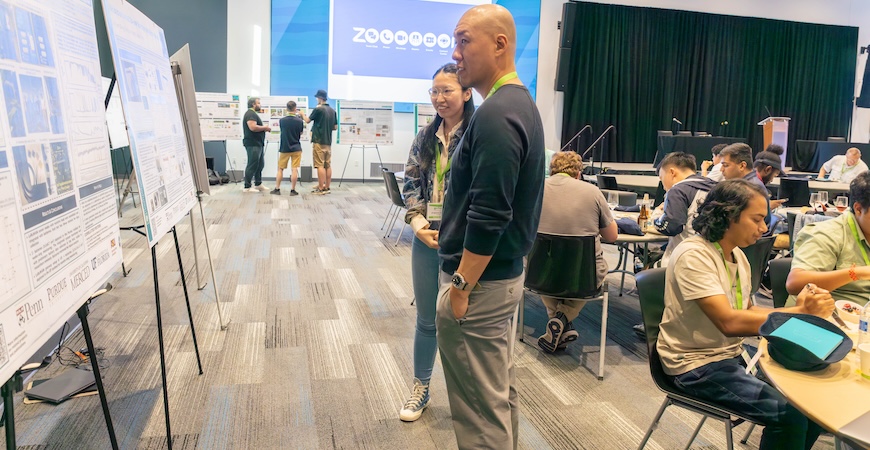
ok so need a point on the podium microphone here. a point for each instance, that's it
(768, 111)
(677, 121)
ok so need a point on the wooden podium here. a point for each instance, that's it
(776, 132)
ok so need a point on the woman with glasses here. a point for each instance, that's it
(426, 177)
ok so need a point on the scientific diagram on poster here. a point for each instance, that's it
(362, 122)
(424, 114)
(220, 116)
(158, 144)
(272, 109)
(59, 236)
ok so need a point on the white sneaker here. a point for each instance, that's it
(417, 402)
(250, 189)
(261, 188)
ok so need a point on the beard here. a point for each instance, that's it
(257, 108)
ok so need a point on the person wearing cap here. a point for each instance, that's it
(844, 168)
(709, 309)
(714, 173)
(254, 141)
(768, 165)
(325, 122)
(834, 254)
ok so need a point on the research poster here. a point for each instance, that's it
(424, 114)
(59, 236)
(220, 116)
(272, 109)
(158, 144)
(362, 122)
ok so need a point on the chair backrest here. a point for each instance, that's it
(660, 195)
(651, 293)
(836, 139)
(625, 198)
(563, 266)
(684, 133)
(758, 255)
(779, 269)
(789, 221)
(797, 191)
(665, 133)
(393, 188)
(607, 182)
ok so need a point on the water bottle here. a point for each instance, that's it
(864, 340)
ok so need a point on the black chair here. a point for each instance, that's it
(789, 220)
(607, 182)
(398, 202)
(779, 269)
(566, 267)
(651, 293)
(758, 255)
(797, 191)
(836, 139)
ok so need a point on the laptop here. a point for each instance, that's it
(63, 386)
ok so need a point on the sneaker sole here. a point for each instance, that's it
(565, 341)
(413, 416)
(554, 330)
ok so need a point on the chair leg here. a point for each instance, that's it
(695, 433)
(748, 433)
(654, 424)
(729, 438)
(603, 332)
(389, 212)
(400, 234)
(393, 222)
(624, 268)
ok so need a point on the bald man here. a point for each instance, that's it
(488, 225)
(844, 168)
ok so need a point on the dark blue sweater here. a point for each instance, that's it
(494, 202)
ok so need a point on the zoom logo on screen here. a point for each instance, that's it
(387, 37)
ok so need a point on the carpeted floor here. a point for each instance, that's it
(318, 351)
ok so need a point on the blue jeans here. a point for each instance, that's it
(727, 384)
(254, 169)
(424, 276)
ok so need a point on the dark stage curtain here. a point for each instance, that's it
(636, 68)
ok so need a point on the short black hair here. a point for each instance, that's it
(775, 148)
(738, 152)
(718, 148)
(859, 190)
(251, 101)
(723, 206)
(291, 105)
(679, 160)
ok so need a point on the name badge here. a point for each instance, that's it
(433, 211)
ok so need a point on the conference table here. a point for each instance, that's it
(696, 145)
(810, 156)
(837, 397)
(623, 241)
(650, 182)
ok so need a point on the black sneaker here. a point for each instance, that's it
(276, 192)
(293, 192)
(568, 336)
(555, 327)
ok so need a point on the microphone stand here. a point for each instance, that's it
(601, 167)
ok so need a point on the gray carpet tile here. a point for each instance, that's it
(318, 351)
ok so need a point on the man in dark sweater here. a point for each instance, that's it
(254, 140)
(490, 217)
(290, 149)
(686, 190)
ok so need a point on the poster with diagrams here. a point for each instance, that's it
(158, 144)
(220, 116)
(59, 236)
(424, 114)
(362, 122)
(273, 109)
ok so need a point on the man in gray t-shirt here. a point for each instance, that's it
(571, 208)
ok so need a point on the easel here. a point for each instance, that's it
(363, 147)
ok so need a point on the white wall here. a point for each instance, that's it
(244, 14)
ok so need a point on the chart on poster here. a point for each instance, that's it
(158, 144)
(58, 223)
(424, 113)
(362, 122)
(272, 109)
(220, 116)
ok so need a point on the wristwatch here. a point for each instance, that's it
(458, 281)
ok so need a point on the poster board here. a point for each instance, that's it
(115, 117)
(182, 71)
(158, 144)
(59, 236)
(362, 122)
(220, 116)
(273, 109)
(424, 114)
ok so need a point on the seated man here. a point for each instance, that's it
(834, 254)
(571, 208)
(708, 309)
(844, 168)
(715, 173)
(768, 165)
(686, 190)
(737, 163)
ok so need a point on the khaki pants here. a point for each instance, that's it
(477, 355)
(570, 308)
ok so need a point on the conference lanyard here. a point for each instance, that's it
(501, 81)
(730, 282)
(858, 239)
(844, 169)
(439, 171)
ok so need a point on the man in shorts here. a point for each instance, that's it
(290, 149)
(325, 122)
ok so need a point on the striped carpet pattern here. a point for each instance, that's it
(318, 350)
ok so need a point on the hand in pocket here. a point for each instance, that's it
(458, 302)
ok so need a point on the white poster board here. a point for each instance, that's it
(59, 236)
(182, 71)
(158, 144)
(220, 116)
(364, 122)
(424, 114)
(115, 117)
(273, 109)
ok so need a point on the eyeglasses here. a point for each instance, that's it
(445, 92)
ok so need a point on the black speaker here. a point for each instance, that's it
(569, 10)
(562, 64)
(863, 101)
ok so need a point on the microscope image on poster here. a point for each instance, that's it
(13, 103)
(35, 104)
(54, 106)
(8, 47)
(33, 38)
(31, 166)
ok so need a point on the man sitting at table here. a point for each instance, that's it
(685, 191)
(715, 173)
(834, 254)
(844, 168)
(571, 207)
(737, 163)
(708, 310)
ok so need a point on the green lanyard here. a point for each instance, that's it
(730, 282)
(501, 81)
(439, 172)
(858, 239)
(844, 169)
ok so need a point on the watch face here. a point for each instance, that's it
(456, 280)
